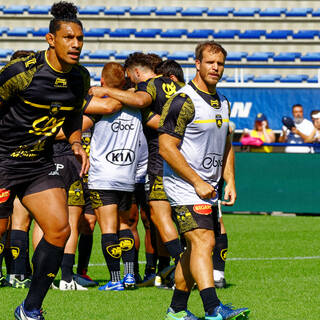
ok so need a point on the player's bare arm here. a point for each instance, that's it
(168, 149)
(99, 105)
(228, 174)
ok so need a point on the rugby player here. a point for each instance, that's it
(196, 148)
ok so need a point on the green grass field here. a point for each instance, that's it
(273, 268)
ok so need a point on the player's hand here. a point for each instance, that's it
(205, 190)
(82, 157)
(98, 91)
(230, 195)
(264, 124)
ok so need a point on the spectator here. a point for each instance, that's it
(302, 127)
(315, 134)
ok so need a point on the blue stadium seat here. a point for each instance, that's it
(267, 78)
(279, 34)
(96, 32)
(19, 32)
(168, 11)
(123, 54)
(91, 10)
(40, 9)
(220, 11)
(287, 56)
(316, 13)
(298, 12)
(173, 33)
(97, 77)
(200, 33)
(101, 54)
(294, 78)
(272, 12)
(227, 34)
(147, 33)
(3, 30)
(122, 33)
(236, 56)
(15, 9)
(305, 34)
(142, 11)
(260, 56)
(84, 53)
(161, 53)
(246, 78)
(117, 10)
(194, 11)
(252, 34)
(41, 32)
(313, 79)
(180, 55)
(4, 53)
(245, 12)
(311, 56)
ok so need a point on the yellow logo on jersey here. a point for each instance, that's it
(169, 89)
(214, 104)
(60, 83)
(114, 250)
(15, 251)
(51, 275)
(30, 62)
(46, 126)
(223, 254)
(126, 244)
(1, 247)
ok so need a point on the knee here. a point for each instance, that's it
(59, 236)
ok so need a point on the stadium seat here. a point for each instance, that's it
(313, 79)
(287, 56)
(246, 78)
(252, 34)
(200, 33)
(236, 56)
(220, 11)
(279, 34)
(147, 33)
(294, 78)
(180, 55)
(91, 10)
(245, 12)
(4, 53)
(96, 32)
(41, 32)
(311, 56)
(40, 9)
(117, 10)
(142, 11)
(305, 34)
(161, 53)
(267, 78)
(15, 9)
(316, 13)
(3, 30)
(173, 33)
(19, 32)
(226, 34)
(123, 54)
(101, 54)
(298, 12)
(122, 33)
(260, 56)
(84, 53)
(272, 12)
(168, 11)
(194, 11)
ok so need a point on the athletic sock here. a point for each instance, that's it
(209, 299)
(84, 251)
(151, 263)
(179, 300)
(28, 265)
(67, 267)
(19, 251)
(126, 240)
(219, 256)
(112, 253)
(174, 249)
(46, 262)
(163, 262)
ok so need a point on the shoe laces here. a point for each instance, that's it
(229, 306)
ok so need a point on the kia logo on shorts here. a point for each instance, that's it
(121, 125)
(212, 160)
(121, 157)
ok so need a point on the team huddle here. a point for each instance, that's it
(143, 142)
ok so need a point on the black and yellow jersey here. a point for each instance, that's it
(36, 101)
(160, 89)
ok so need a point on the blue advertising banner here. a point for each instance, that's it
(275, 103)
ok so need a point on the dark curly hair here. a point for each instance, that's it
(63, 11)
(138, 59)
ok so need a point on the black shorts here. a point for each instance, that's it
(22, 187)
(198, 216)
(139, 196)
(156, 191)
(100, 198)
(87, 208)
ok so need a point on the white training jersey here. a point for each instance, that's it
(114, 151)
(143, 160)
(202, 145)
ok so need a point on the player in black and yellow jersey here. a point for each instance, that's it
(39, 95)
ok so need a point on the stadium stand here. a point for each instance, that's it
(96, 32)
(117, 10)
(168, 11)
(299, 12)
(142, 10)
(15, 9)
(220, 11)
(91, 9)
(246, 12)
(272, 12)
(40, 9)
(194, 11)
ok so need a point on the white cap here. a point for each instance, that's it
(316, 115)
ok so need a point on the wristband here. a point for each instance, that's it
(74, 142)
